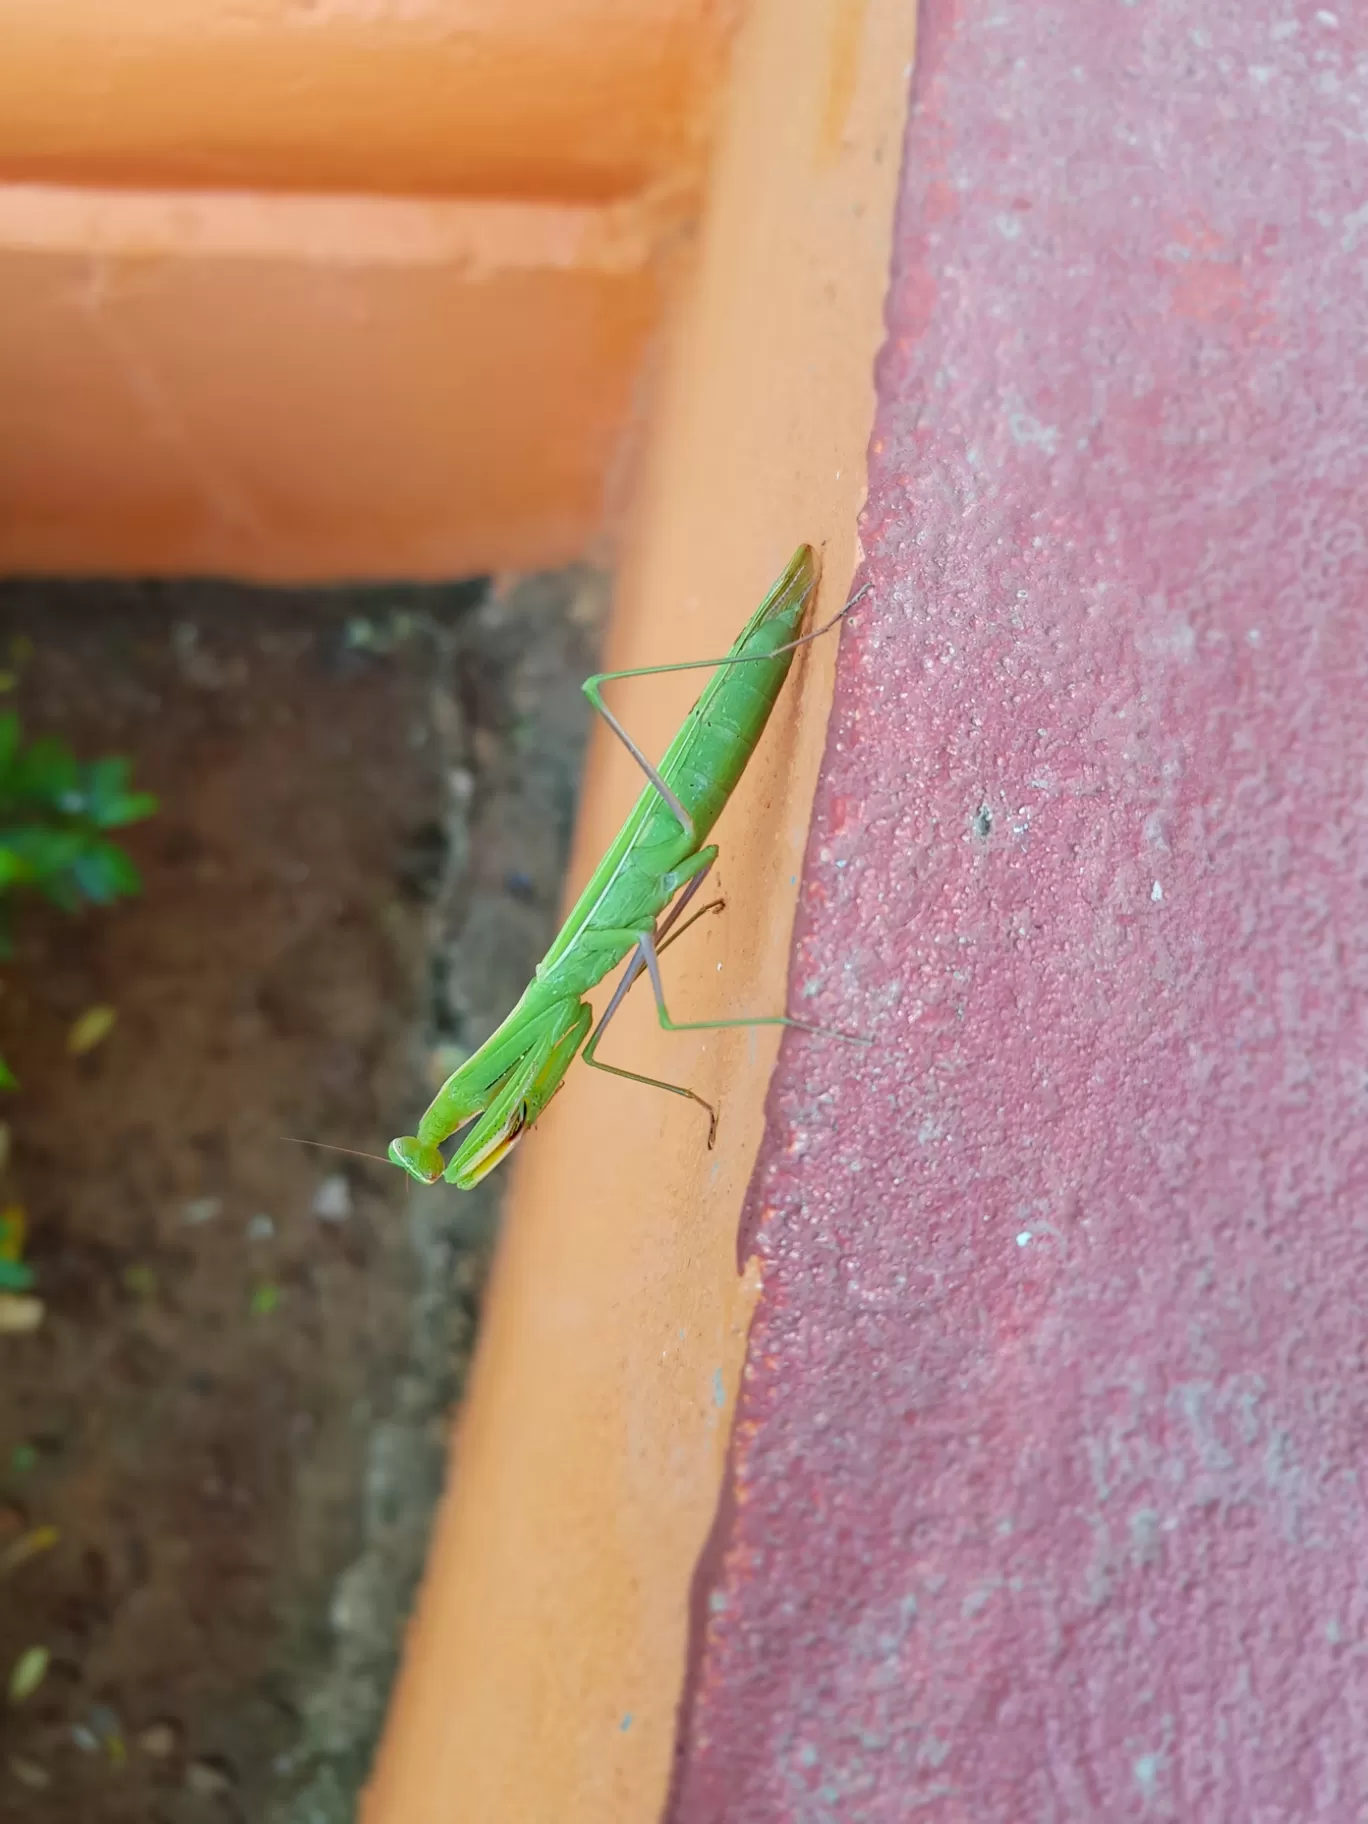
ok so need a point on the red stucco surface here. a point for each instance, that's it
(1048, 1496)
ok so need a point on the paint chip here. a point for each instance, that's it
(1024, 1239)
(1156, 892)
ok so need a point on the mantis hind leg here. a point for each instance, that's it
(646, 958)
(649, 960)
(591, 688)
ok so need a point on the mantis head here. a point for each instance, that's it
(507, 1096)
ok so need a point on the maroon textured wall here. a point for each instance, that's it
(1049, 1499)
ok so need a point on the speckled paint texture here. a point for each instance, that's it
(1048, 1497)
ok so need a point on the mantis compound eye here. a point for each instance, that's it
(424, 1163)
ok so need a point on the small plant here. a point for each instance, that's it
(54, 814)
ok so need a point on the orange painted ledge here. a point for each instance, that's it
(548, 1657)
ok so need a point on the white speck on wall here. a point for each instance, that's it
(1173, 640)
(1354, 224)
(1024, 1239)
(1028, 432)
(1156, 894)
(1146, 1770)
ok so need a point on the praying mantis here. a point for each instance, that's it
(659, 853)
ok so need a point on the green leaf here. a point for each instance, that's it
(43, 850)
(61, 890)
(52, 815)
(47, 772)
(132, 807)
(104, 873)
(9, 741)
(105, 785)
(13, 867)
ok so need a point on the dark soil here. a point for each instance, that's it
(235, 1409)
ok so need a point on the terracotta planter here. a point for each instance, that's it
(298, 291)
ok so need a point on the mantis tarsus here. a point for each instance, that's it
(658, 853)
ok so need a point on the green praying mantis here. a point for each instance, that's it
(659, 853)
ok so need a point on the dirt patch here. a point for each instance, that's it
(235, 1411)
